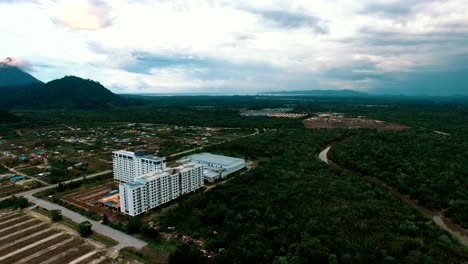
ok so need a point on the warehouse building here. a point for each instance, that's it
(215, 166)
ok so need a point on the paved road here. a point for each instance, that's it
(123, 239)
(455, 230)
(323, 156)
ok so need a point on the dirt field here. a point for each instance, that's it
(89, 200)
(24, 239)
(349, 122)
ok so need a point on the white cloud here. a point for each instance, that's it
(17, 62)
(82, 14)
(99, 40)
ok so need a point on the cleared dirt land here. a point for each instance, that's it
(88, 199)
(348, 122)
(24, 239)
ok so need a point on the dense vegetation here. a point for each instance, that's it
(3, 169)
(7, 117)
(159, 115)
(431, 167)
(13, 76)
(66, 93)
(295, 209)
(14, 202)
(223, 111)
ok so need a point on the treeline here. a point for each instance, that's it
(7, 117)
(430, 167)
(147, 114)
(14, 202)
(293, 208)
(445, 114)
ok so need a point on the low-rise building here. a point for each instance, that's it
(221, 165)
(17, 178)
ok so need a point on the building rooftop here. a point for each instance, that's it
(124, 152)
(210, 173)
(155, 158)
(138, 154)
(133, 185)
(213, 158)
(167, 171)
(151, 175)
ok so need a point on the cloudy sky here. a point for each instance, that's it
(243, 47)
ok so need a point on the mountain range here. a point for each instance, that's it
(19, 89)
(13, 76)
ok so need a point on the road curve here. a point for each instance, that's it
(439, 219)
(323, 156)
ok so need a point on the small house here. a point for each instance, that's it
(17, 178)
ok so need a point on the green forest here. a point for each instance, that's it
(430, 167)
(295, 209)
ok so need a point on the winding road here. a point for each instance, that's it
(438, 218)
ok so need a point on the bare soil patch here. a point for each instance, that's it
(351, 122)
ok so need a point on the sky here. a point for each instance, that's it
(413, 47)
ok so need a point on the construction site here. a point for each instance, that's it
(103, 199)
(339, 120)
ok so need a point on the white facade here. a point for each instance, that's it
(158, 187)
(129, 165)
(223, 165)
(132, 198)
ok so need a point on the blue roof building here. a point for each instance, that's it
(17, 178)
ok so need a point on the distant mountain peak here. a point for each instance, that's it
(69, 92)
(11, 75)
(7, 61)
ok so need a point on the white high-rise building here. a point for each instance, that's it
(155, 188)
(129, 165)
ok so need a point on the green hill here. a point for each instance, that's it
(69, 92)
